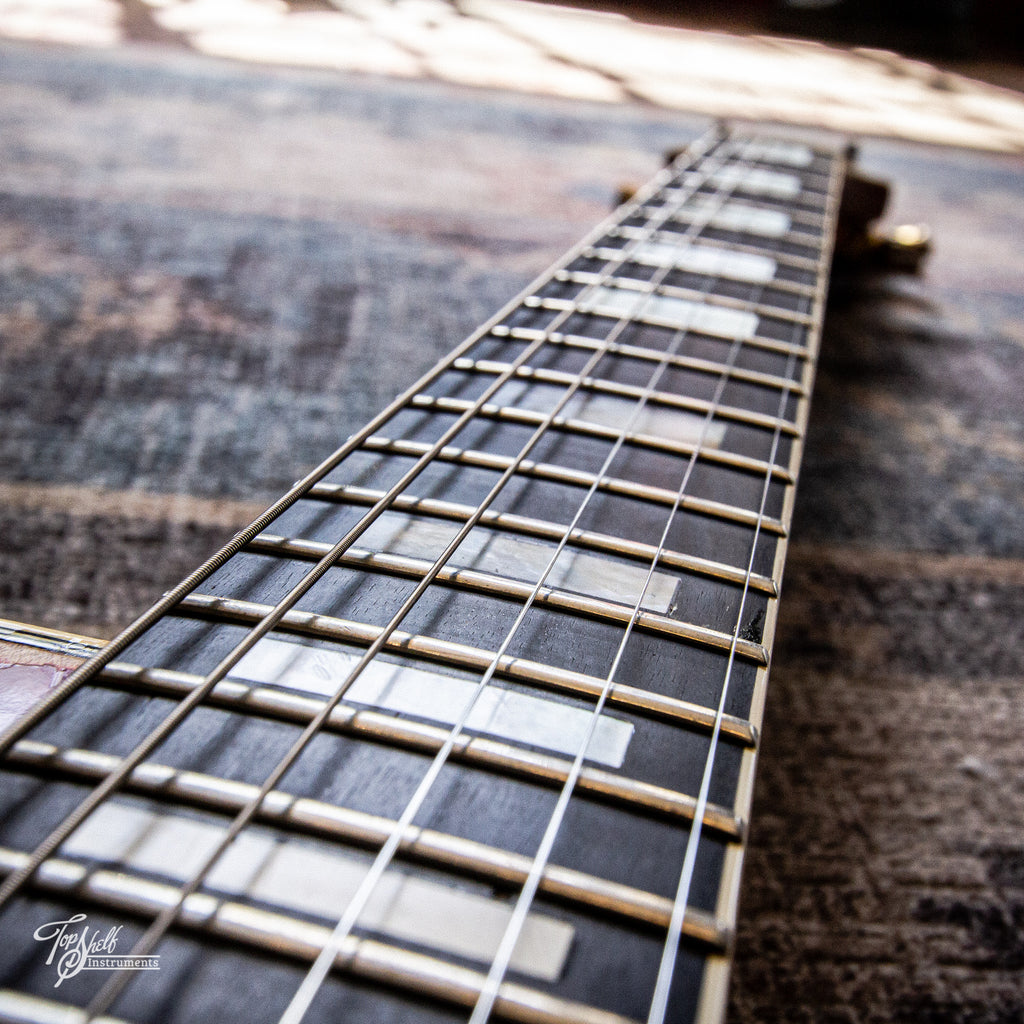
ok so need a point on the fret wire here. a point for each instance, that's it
(513, 523)
(659, 1000)
(115, 985)
(790, 236)
(682, 292)
(558, 338)
(50, 844)
(563, 305)
(695, 151)
(672, 401)
(598, 252)
(448, 652)
(803, 201)
(809, 216)
(314, 979)
(488, 755)
(296, 815)
(271, 932)
(489, 583)
(786, 259)
(708, 366)
(512, 414)
(820, 179)
(579, 478)
(500, 964)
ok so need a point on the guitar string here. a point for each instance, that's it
(166, 918)
(666, 967)
(318, 972)
(169, 601)
(659, 1003)
(49, 845)
(500, 964)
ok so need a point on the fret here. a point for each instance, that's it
(769, 246)
(539, 588)
(665, 310)
(706, 259)
(329, 821)
(459, 656)
(802, 220)
(543, 529)
(492, 756)
(669, 312)
(589, 428)
(627, 281)
(576, 478)
(502, 586)
(478, 752)
(625, 360)
(589, 384)
(797, 189)
(298, 939)
(769, 345)
(686, 362)
(785, 152)
(770, 227)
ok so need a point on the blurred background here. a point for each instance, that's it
(232, 230)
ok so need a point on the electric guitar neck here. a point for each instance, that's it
(465, 725)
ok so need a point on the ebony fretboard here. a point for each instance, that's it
(465, 726)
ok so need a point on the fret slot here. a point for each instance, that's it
(511, 590)
(440, 850)
(545, 770)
